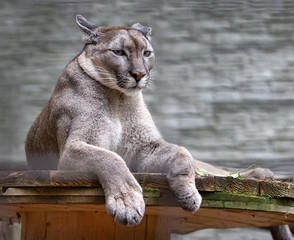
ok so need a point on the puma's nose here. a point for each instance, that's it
(138, 75)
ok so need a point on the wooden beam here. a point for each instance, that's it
(227, 202)
(147, 181)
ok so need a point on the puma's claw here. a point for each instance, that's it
(189, 198)
(185, 190)
(126, 204)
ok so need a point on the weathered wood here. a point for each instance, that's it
(36, 224)
(61, 226)
(140, 230)
(277, 189)
(73, 179)
(230, 184)
(75, 198)
(159, 198)
(158, 227)
(122, 232)
(205, 184)
(147, 181)
(104, 226)
(59, 187)
(26, 178)
(48, 179)
(205, 217)
(86, 225)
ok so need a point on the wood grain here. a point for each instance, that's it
(73, 179)
(53, 203)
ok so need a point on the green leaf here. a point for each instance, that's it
(204, 173)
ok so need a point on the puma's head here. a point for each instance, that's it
(120, 58)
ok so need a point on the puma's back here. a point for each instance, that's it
(109, 73)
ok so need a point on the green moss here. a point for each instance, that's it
(246, 201)
(151, 192)
(214, 204)
(242, 197)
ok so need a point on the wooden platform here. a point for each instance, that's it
(70, 205)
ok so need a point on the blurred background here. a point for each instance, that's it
(223, 84)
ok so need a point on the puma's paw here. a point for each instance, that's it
(181, 180)
(125, 203)
(189, 198)
(258, 173)
(185, 190)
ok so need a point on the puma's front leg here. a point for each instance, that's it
(176, 161)
(124, 199)
(181, 179)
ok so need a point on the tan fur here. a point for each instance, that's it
(96, 120)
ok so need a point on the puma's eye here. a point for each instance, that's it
(147, 53)
(119, 52)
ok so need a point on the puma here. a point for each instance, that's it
(96, 120)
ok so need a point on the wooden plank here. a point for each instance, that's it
(205, 183)
(105, 226)
(227, 202)
(124, 232)
(150, 181)
(236, 185)
(244, 201)
(157, 228)
(51, 191)
(35, 222)
(147, 181)
(52, 199)
(73, 179)
(203, 218)
(167, 198)
(277, 189)
(26, 178)
(23, 225)
(9, 210)
(150, 210)
(140, 230)
(86, 225)
(61, 225)
(151, 226)
(214, 217)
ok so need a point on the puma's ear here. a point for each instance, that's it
(88, 29)
(143, 29)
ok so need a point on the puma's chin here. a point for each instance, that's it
(138, 86)
(131, 91)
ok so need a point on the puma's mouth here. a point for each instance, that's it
(137, 87)
(129, 83)
(133, 84)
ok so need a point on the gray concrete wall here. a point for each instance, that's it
(223, 84)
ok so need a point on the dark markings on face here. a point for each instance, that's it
(122, 43)
(134, 44)
(121, 79)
